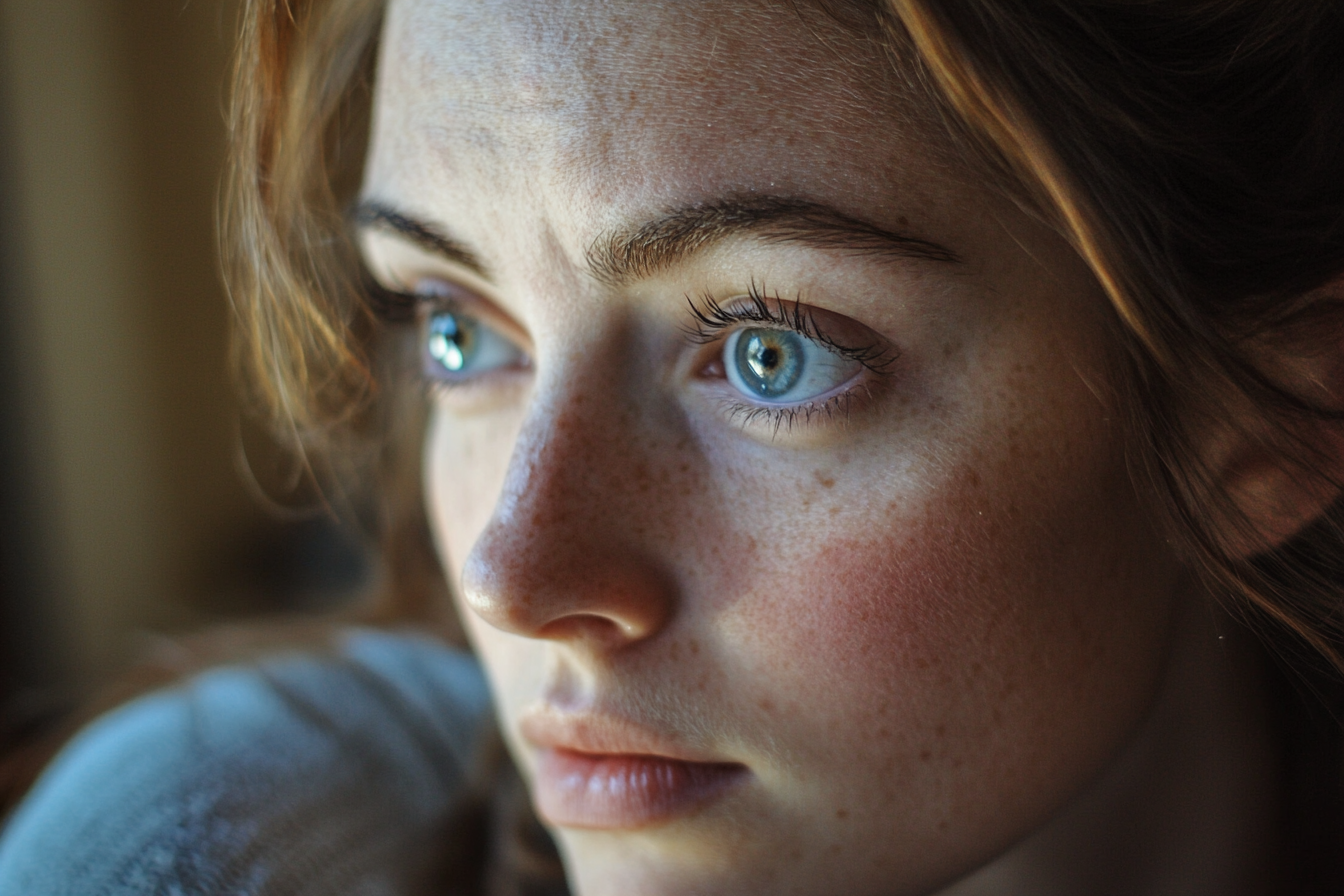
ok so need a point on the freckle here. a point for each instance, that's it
(766, 705)
(956, 763)
(695, 648)
(942, 825)
(925, 755)
(841, 813)
(826, 481)
(940, 731)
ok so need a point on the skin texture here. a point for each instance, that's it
(925, 619)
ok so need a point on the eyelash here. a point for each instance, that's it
(390, 305)
(711, 321)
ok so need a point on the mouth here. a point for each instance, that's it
(602, 773)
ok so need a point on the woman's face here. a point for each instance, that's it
(774, 456)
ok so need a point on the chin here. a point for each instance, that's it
(601, 863)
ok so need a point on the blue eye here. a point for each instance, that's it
(781, 366)
(459, 346)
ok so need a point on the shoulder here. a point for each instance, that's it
(301, 774)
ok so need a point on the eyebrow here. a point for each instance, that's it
(372, 215)
(619, 257)
(622, 256)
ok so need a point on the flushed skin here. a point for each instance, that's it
(924, 620)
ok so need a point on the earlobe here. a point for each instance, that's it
(1274, 498)
(1285, 470)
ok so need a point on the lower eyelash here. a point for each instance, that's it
(785, 417)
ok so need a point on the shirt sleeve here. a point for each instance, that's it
(303, 775)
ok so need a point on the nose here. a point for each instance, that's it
(566, 553)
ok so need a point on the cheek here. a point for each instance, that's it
(465, 462)
(966, 634)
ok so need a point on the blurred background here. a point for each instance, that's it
(123, 508)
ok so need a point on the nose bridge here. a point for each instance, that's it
(565, 554)
(579, 444)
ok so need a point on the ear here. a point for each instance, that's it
(1276, 498)
(1283, 474)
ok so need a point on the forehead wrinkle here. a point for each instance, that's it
(562, 58)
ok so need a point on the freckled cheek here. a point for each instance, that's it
(862, 614)
(947, 627)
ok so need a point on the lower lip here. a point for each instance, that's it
(625, 791)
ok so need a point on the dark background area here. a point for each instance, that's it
(123, 508)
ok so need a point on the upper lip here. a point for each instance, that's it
(602, 733)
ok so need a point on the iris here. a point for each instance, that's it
(769, 362)
(459, 347)
(453, 340)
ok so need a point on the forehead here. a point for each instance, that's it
(585, 58)
(621, 96)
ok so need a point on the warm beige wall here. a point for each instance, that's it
(116, 136)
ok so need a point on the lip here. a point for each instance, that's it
(606, 773)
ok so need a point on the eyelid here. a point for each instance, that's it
(393, 270)
(415, 303)
(713, 320)
(388, 253)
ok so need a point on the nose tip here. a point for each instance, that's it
(557, 585)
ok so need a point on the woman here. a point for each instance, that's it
(870, 444)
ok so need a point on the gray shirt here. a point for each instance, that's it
(305, 774)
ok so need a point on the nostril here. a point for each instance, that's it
(589, 627)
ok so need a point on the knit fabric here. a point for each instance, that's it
(301, 775)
